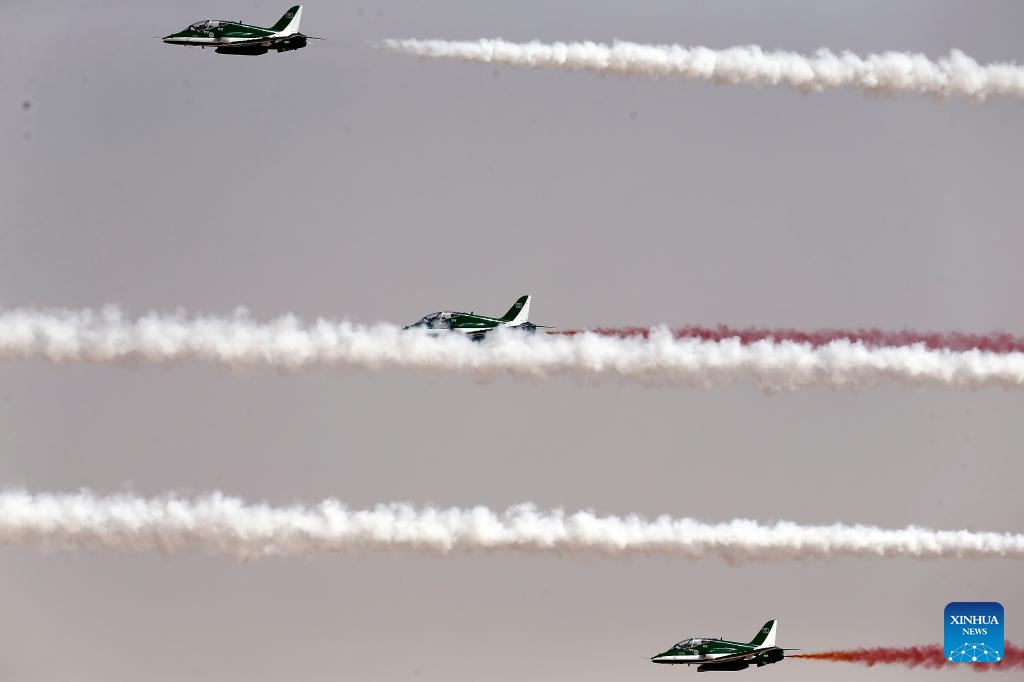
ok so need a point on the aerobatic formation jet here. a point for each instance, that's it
(476, 326)
(234, 37)
(715, 653)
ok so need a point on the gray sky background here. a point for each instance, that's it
(347, 181)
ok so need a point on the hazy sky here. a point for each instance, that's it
(349, 181)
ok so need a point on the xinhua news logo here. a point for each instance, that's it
(974, 632)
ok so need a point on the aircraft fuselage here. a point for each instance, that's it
(235, 37)
(715, 653)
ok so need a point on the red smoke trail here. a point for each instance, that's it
(998, 342)
(931, 656)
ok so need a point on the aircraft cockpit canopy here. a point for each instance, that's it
(442, 320)
(205, 24)
(687, 643)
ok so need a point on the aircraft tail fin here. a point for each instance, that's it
(765, 637)
(289, 23)
(519, 313)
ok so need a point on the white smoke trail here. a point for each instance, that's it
(238, 341)
(890, 72)
(228, 526)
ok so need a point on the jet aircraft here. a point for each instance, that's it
(715, 653)
(476, 326)
(234, 37)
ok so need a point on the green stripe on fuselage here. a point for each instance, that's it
(227, 29)
(471, 321)
(709, 647)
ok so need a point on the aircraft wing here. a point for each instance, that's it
(742, 656)
(281, 39)
(268, 41)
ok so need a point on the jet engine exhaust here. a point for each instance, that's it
(929, 656)
(995, 342)
(889, 72)
(656, 357)
(218, 524)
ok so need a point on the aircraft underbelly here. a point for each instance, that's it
(465, 331)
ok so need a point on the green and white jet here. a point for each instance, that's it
(715, 653)
(234, 37)
(476, 326)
